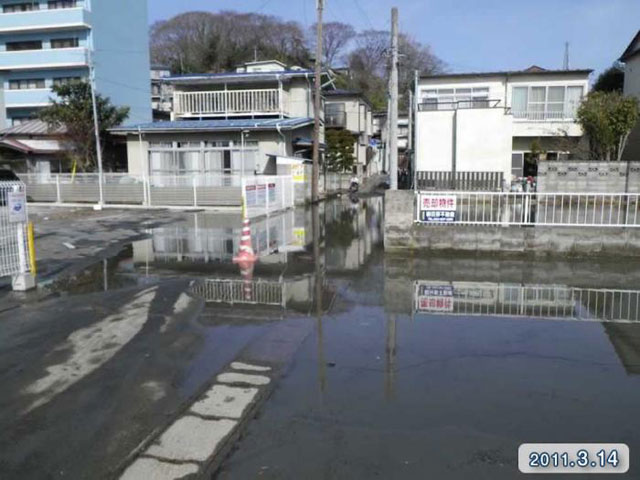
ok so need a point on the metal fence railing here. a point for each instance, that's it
(528, 209)
(153, 191)
(252, 292)
(531, 301)
(14, 256)
(481, 181)
(267, 194)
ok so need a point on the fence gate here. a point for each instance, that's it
(14, 253)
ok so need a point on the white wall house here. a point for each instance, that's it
(349, 110)
(487, 122)
(232, 123)
(631, 59)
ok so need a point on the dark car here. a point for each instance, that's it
(6, 176)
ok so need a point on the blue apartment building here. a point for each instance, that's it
(47, 42)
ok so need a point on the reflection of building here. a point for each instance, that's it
(531, 301)
(207, 238)
(353, 231)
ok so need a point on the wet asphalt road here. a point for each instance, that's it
(415, 367)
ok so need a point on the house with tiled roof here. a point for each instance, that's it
(228, 124)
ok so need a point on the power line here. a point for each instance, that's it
(364, 14)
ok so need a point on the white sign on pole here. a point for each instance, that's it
(437, 208)
(17, 207)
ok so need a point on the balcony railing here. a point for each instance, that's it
(230, 103)
(459, 105)
(544, 116)
(45, 19)
(45, 58)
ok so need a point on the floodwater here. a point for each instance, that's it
(416, 366)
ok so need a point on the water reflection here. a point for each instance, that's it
(530, 301)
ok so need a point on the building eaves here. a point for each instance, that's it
(510, 73)
(630, 51)
(215, 126)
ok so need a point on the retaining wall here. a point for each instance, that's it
(401, 233)
(592, 177)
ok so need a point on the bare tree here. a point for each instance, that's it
(213, 42)
(369, 65)
(336, 38)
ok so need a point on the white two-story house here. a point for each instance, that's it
(227, 124)
(492, 123)
(351, 111)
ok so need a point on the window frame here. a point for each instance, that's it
(567, 113)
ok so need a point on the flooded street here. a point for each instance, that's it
(388, 366)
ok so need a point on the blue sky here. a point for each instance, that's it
(470, 35)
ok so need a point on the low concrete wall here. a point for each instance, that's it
(592, 177)
(400, 233)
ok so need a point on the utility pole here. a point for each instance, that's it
(96, 127)
(393, 98)
(315, 174)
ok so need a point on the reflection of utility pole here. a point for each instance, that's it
(322, 365)
(315, 174)
(390, 358)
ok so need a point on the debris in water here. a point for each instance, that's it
(70, 246)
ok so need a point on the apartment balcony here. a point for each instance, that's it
(47, 58)
(545, 124)
(27, 98)
(231, 103)
(45, 20)
(540, 116)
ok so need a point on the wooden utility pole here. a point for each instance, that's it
(315, 174)
(393, 99)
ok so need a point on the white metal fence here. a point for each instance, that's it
(159, 190)
(252, 292)
(528, 209)
(14, 257)
(232, 102)
(267, 194)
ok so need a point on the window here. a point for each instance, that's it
(335, 115)
(65, 80)
(19, 7)
(546, 103)
(517, 164)
(208, 158)
(55, 4)
(20, 120)
(29, 45)
(65, 42)
(26, 84)
(450, 98)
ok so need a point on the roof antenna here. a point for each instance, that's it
(566, 56)
(255, 53)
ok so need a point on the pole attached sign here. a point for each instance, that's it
(17, 207)
(437, 208)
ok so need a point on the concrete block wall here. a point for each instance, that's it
(401, 233)
(588, 176)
